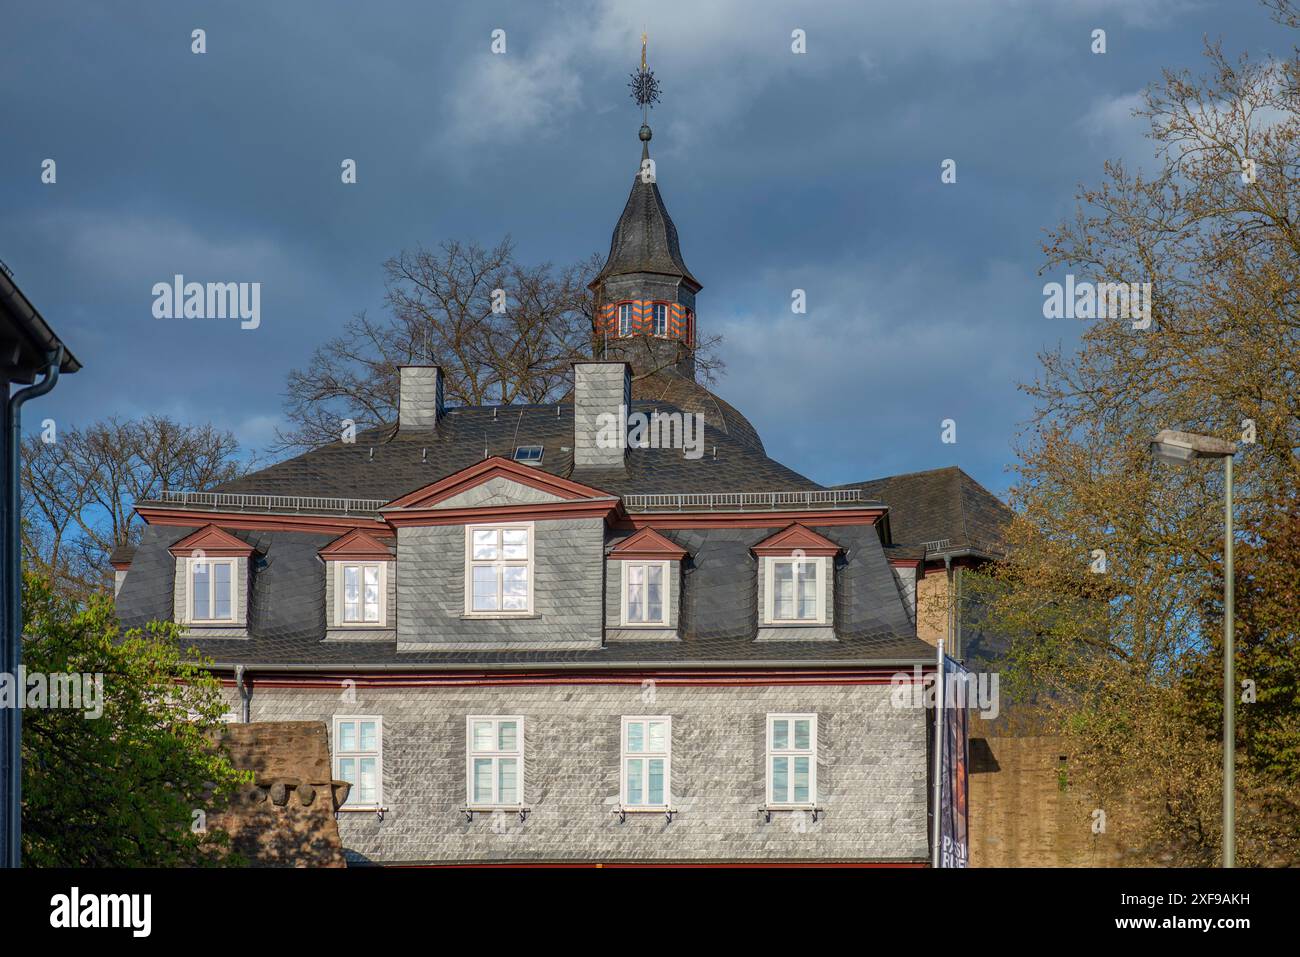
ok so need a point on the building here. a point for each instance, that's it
(943, 524)
(533, 641)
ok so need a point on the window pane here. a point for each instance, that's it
(801, 780)
(508, 736)
(368, 789)
(657, 743)
(802, 734)
(656, 781)
(482, 780)
(348, 772)
(347, 736)
(636, 593)
(485, 545)
(372, 593)
(369, 737)
(221, 589)
(485, 588)
(780, 784)
(508, 780)
(654, 593)
(351, 593)
(514, 588)
(482, 735)
(635, 736)
(515, 544)
(200, 593)
(634, 769)
(780, 734)
(808, 591)
(783, 591)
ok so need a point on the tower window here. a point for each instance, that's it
(661, 318)
(624, 318)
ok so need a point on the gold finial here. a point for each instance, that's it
(643, 39)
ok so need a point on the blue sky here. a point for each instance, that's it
(818, 171)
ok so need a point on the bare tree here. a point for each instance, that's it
(79, 490)
(502, 332)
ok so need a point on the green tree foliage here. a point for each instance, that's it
(120, 790)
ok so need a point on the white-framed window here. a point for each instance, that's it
(494, 761)
(359, 758)
(625, 318)
(791, 760)
(661, 318)
(360, 593)
(647, 762)
(646, 592)
(499, 570)
(213, 592)
(794, 590)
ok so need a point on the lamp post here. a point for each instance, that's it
(1181, 448)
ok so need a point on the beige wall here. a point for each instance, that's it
(932, 606)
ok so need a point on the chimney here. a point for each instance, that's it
(419, 397)
(602, 398)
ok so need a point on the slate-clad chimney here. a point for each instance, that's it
(419, 398)
(602, 398)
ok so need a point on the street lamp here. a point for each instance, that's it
(1180, 448)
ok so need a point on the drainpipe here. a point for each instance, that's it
(950, 628)
(244, 694)
(13, 625)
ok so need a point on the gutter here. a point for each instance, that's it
(316, 667)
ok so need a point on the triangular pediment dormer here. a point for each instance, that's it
(359, 545)
(498, 487)
(212, 542)
(796, 538)
(649, 545)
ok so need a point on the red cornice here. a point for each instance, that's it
(212, 542)
(359, 544)
(602, 508)
(797, 538)
(839, 516)
(121, 566)
(647, 544)
(250, 521)
(485, 471)
(722, 677)
(905, 562)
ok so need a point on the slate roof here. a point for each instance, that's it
(645, 239)
(386, 464)
(940, 505)
(286, 614)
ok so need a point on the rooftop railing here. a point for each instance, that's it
(306, 504)
(747, 501)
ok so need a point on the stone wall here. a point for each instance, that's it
(871, 765)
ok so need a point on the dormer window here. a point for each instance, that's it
(661, 319)
(624, 318)
(529, 455)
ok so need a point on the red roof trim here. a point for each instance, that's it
(839, 516)
(488, 469)
(251, 521)
(796, 537)
(213, 542)
(358, 544)
(647, 544)
(541, 511)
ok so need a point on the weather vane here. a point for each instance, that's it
(645, 88)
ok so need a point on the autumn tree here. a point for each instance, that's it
(1104, 649)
